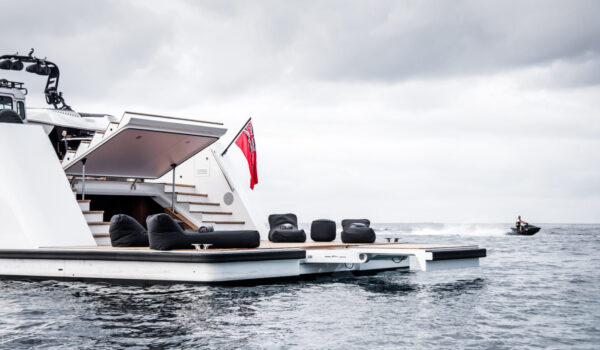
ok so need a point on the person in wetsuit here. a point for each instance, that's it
(520, 223)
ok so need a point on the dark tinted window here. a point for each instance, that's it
(5, 102)
(21, 109)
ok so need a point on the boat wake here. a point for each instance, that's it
(434, 229)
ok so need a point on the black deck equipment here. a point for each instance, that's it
(357, 231)
(165, 234)
(284, 228)
(40, 66)
(125, 231)
(322, 230)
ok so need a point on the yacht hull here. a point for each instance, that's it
(210, 266)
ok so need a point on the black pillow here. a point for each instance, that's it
(165, 234)
(348, 222)
(357, 231)
(322, 230)
(125, 231)
(284, 228)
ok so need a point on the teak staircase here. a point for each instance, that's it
(95, 220)
(85, 145)
(197, 206)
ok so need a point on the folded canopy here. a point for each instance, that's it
(144, 146)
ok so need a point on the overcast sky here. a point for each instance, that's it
(399, 111)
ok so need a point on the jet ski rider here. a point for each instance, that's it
(520, 223)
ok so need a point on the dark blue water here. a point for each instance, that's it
(530, 292)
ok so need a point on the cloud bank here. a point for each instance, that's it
(457, 111)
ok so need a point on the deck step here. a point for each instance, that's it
(202, 206)
(189, 196)
(97, 138)
(214, 215)
(110, 129)
(69, 157)
(212, 212)
(83, 146)
(192, 194)
(217, 222)
(84, 205)
(179, 185)
(93, 215)
(102, 239)
(178, 188)
(99, 227)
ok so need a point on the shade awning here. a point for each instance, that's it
(144, 146)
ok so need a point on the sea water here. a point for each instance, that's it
(541, 291)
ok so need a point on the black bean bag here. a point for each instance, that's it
(165, 234)
(357, 231)
(180, 223)
(284, 228)
(125, 231)
(322, 230)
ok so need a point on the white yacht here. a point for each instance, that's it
(65, 174)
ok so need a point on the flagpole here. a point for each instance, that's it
(236, 136)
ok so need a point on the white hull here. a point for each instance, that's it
(207, 267)
(177, 272)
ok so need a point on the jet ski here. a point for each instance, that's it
(527, 230)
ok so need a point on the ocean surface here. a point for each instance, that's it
(530, 292)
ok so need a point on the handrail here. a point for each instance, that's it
(225, 175)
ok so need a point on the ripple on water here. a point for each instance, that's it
(531, 292)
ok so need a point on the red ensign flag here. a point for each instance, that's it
(246, 143)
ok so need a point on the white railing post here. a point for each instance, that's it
(173, 188)
(83, 178)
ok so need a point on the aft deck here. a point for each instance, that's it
(304, 245)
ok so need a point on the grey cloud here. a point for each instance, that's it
(135, 45)
(423, 109)
(432, 39)
(94, 43)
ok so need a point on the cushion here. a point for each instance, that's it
(165, 234)
(180, 223)
(322, 230)
(125, 231)
(284, 228)
(231, 239)
(346, 223)
(357, 231)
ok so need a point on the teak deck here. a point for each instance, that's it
(305, 245)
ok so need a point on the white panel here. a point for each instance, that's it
(34, 186)
(94, 217)
(451, 264)
(202, 166)
(99, 228)
(102, 241)
(85, 206)
(164, 271)
(11, 231)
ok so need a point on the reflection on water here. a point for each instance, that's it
(538, 291)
